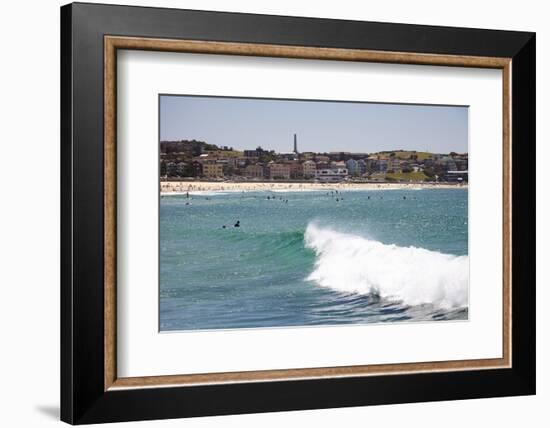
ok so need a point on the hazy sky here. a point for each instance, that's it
(322, 126)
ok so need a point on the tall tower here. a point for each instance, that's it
(295, 144)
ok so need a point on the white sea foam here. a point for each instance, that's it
(354, 264)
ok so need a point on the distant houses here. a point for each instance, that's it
(199, 160)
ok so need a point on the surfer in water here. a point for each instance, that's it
(238, 224)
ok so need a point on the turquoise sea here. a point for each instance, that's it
(312, 258)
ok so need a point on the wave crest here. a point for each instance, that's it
(353, 264)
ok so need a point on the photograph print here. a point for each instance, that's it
(301, 213)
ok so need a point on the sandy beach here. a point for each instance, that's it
(171, 187)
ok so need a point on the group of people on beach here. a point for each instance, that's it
(186, 186)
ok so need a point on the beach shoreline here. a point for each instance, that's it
(184, 186)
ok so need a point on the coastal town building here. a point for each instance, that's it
(382, 165)
(405, 166)
(254, 171)
(322, 165)
(170, 168)
(278, 170)
(371, 163)
(353, 167)
(196, 168)
(296, 170)
(180, 168)
(461, 164)
(338, 164)
(331, 175)
(309, 168)
(288, 156)
(212, 170)
(234, 162)
(456, 176)
(362, 166)
(256, 153)
(451, 165)
(338, 156)
(322, 158)
(394, 164)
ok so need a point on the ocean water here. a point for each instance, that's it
(313, 258)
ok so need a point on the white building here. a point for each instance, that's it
(309, 168)
(331, 175)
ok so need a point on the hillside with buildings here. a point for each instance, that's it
(191, 159)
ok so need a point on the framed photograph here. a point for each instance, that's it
(266, 213)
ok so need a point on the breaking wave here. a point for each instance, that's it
(354, 264)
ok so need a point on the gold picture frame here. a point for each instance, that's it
(114, 43)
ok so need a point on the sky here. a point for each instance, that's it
(321, 126)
